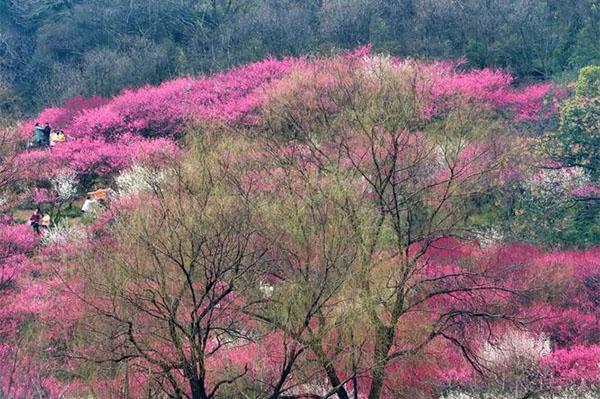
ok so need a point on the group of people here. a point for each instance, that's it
(45, 136)
(39, 223)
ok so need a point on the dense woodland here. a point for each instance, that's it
(51, 50)
(361, 199)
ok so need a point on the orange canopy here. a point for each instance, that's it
(99, 194)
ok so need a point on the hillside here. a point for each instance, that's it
(350, 226)
(51, 50)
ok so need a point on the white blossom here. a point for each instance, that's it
(489, 237)
(377, 65)
(65, 186)
(266, 289)
(138, 179)
(567, 393)
(62, 233)
(557, 183)
(515, 345)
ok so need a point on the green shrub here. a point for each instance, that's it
(588, 84)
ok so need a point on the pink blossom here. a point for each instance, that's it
(574, 365)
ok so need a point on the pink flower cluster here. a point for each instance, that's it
(61, 117)
(233, 96)
(575, 365)
(164, 110)
(96, 156)
(493, 87)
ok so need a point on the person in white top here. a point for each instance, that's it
(87, 205)
(45, 225)
(53, 138)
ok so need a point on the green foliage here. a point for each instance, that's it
(577, 142)
(588, 84)
(585, 48)
(549, 212)
(579, 133)
(564, 224)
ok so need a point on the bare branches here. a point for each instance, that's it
(412, 180)
(172, 279)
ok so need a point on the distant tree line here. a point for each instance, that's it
(54, 49)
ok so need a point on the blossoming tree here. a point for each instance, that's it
(302, 228)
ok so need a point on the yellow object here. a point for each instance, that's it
(56, 138)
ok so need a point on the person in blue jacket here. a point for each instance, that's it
(39, 134)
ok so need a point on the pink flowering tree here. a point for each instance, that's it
(375, 168)
(16, 244)
(163, 302)
(89, 161)
(312, 238)
(166, 110)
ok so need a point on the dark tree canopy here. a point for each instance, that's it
(53, 49)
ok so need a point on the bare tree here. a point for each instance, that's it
(161, 297)
(412, 183)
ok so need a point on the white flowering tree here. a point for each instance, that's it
(552, 207)
(64, 190)
(512, 364)
(62, 233)
(65, 186)
(138, 179)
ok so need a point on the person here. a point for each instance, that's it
(35, 220)
(53, 138)
(87, 205)
(39, 134)
(60, 137)
(45, 224)
(47, 131)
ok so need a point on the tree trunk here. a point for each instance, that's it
(334, 380)
(197, 388)
(382, 347)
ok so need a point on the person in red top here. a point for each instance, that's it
(35, 220)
